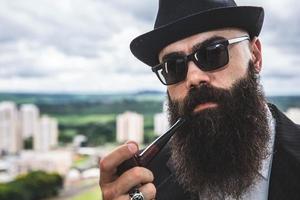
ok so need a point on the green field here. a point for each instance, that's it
(99, 129)
(85, 119)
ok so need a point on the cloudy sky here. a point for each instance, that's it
(83, 46)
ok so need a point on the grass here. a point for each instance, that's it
(85, 119)
(99, 128)
(95, 118)
(92, 194)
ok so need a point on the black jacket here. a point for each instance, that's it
(285, 171)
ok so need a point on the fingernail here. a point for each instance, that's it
(132, 147)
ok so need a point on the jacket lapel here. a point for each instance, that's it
(285, 172)
(166, 186)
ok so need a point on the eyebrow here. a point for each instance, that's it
(172, 54)
(207, 42)
(194, 48)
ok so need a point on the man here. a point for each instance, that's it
(234, 145)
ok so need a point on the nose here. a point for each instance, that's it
(195, 76)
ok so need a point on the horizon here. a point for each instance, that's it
(138, 92)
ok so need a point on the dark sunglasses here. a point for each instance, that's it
(208, 58)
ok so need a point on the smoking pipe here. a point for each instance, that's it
(143, 158)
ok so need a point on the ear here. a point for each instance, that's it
(256, 54)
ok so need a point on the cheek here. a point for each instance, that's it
(235, 70)
(228, 76)
(177, 91)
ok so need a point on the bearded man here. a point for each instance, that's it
(234, 144)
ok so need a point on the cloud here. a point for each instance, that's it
(68, 41)
(142, 10)
(83, 45)
(282, 25)
(281, 45)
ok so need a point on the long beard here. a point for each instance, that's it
(220, 150)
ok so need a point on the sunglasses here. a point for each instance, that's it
(208, 57)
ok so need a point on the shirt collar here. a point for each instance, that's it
(266, 163)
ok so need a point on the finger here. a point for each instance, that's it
(132, 178)
(148, 190)
(123, 197)
(119, 155)
(108, 165)
(108, 193)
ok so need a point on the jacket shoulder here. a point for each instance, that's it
(285, 172)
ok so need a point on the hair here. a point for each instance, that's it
(220, 150)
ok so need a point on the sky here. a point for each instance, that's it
(82, 46)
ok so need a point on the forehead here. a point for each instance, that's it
(186, 44)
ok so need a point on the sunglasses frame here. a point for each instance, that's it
(193, 57)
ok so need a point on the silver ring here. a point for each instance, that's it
(136, 195)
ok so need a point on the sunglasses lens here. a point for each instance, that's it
(212, 57)
(172, 71)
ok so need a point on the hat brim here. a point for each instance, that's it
(147, 46)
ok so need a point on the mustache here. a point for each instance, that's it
(203, 94)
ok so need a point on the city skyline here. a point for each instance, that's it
(83, 46)
(21, 122)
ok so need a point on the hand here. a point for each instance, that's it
(116, 188)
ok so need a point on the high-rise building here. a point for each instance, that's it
(47, 134)
(29, 115)
(10, 137)
(161, 123)
(130, 126)
(54, 135)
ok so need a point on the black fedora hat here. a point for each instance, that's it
(178, 19)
